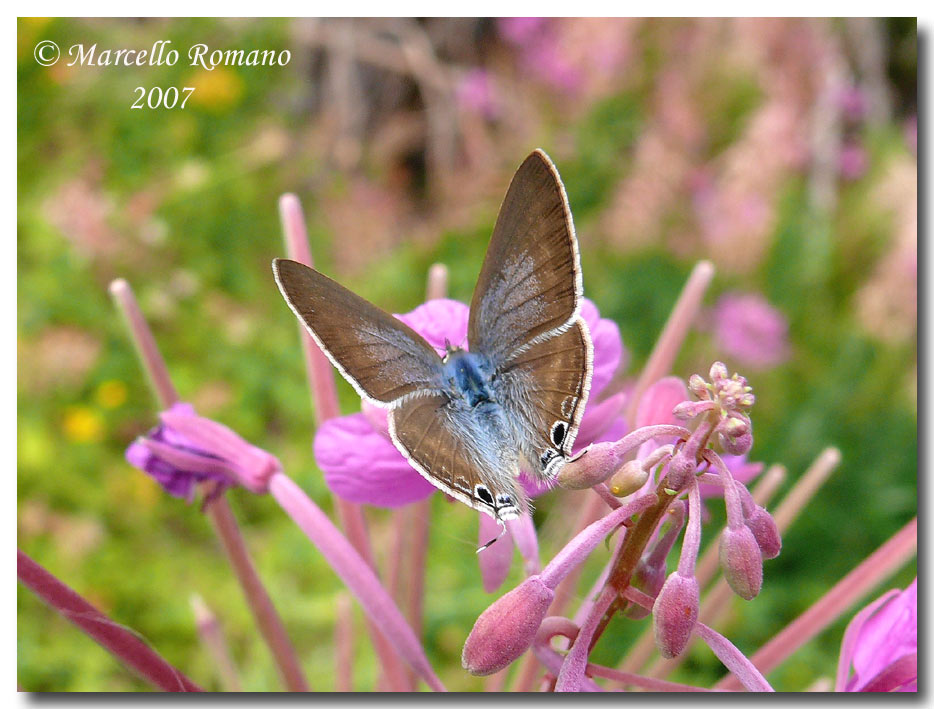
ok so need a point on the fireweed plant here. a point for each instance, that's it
(653, 451)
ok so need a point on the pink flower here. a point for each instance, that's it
(185, 449)
(361, 464)
(853, 161)
(881, 644)
(476, 93)
(748, 328)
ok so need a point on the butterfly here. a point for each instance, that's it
(468, 421)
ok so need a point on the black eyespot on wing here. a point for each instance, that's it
(558, 432)
(484, 495)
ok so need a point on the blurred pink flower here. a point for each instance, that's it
(748, 328)
(476, 93)
(853, 161)
(520, 30)
(881, 644)
(361, 464)
(853, 103)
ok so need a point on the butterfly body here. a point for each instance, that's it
(468, 420)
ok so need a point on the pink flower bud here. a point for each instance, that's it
(507, 628)
(698, 386)
(765, 531)
(591, 467)
(675, 613)
(628, 479)
(689, 409)
(680, 470)
(741, 560)
(736, 445)
(718, 373)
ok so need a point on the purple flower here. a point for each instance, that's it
(881, 644)
(186, 449)
(361, 464)
(751, 330)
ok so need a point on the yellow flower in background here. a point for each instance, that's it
(111, 393)
(83, 425)
(217, 90)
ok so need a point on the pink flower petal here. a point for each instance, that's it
(363, 466)
(439, 320)
(608, 352)
(496, 559)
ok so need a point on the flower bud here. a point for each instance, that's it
(741, 560)
(648, 578)
(628, 479)
(507, 628)
(592, 466)
(736, 445)
(718, 373)
(689, 409)
(698, 386)
(765, 531)
(675, 613)
(680, 470)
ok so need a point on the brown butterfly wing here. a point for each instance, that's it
(383, 358)
(545, 387)
(445, 443)
(530, 283)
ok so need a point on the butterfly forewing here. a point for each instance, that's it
(530, 283)
(382, 357)
(457, 453)
(545, 389)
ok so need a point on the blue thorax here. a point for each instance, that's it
(468, 376)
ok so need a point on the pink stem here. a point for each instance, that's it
(145, 343)
(355, 572)
(212, 637)
(634, 680)
(879, 565)
(343, 645)
(117, 639)
(692, 535)
(325, 405)
(673, 334)
(225, 525)
(419, 515)
(267, 618)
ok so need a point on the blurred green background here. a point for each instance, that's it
(782, 150)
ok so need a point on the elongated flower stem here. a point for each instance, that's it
(267, 618)
(883, 562)
(264, 612)
(212, 637)
(343, 645)
(355, 572)
(117, 639)
(673, 334)
(324, 402)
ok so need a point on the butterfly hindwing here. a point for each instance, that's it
(545, 387)
(530, 282)
(382, 357)
(456, 452)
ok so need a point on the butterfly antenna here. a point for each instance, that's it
(495, 539)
